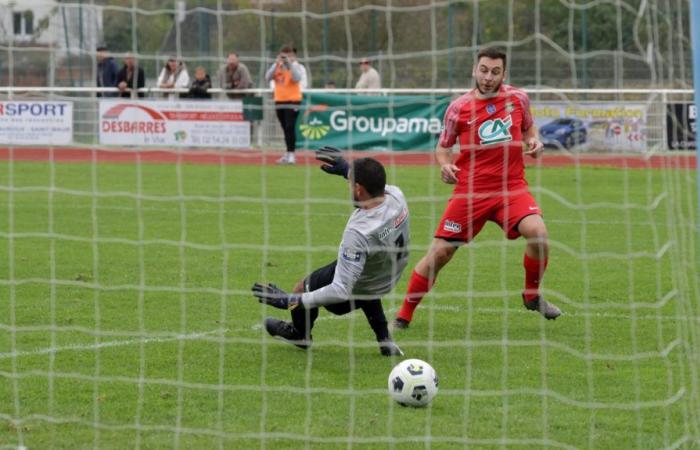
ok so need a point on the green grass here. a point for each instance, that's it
(139, 277)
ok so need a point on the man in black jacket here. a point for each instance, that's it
(106, 72)
(130, 77)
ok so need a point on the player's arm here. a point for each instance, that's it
(448, 138)
(333, 162)
(352, 256)
(533, 145)
(448, 171)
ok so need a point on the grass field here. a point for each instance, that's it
(126, 318)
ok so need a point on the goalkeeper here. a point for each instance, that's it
(371, 258)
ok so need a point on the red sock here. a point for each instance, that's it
(534, 271)
(418, 286)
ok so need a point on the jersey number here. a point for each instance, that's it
(399, 243)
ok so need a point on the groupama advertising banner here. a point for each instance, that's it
(365, 122)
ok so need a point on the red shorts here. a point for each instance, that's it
(466, 214)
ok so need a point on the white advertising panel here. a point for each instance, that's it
(592, 126)
(175, 124)
(36, 123)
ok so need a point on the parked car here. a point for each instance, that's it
(565, 132)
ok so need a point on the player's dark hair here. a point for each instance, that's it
(287, 48)
(370, 174)
(493, 53)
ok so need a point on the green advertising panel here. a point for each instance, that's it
(364, 122)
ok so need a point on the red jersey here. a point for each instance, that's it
(490, 133)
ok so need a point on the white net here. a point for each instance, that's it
(127, 319)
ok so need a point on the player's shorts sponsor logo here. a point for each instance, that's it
(350, 255)
(495, 131)
(452, 227)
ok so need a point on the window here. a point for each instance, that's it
(23, 23)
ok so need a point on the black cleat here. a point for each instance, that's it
(399, 324)
(548, 311)
(287, 332)
(387, 347)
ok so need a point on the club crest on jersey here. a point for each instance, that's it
(491, 109)
(454, 227)
(510, 107)
(496, 130)
(351, 255)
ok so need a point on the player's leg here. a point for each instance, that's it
(535, 260)
(298, 331)
(462, 220)
(423, 278)
(521, 216)
(377, 320)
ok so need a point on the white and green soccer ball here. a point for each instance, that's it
(413, 382)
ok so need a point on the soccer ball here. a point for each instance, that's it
(413, 382)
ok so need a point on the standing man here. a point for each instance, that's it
(371, 258)
(130, 78)
(495, 129)
(234, 75)
(106, 71)
(304, 81)
(286, 76)
(370, 77)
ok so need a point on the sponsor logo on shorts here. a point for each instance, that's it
(451, 226)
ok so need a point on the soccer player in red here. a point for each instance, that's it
(495, 129)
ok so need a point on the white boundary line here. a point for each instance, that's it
(108, 344)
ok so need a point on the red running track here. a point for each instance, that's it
(684, 160)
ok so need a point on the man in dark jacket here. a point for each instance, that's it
(130, 77)
(106, 72)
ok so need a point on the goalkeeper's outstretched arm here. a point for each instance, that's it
(333, 162)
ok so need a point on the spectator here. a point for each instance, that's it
(173, 76)
(304, 82)
(106, 72)
(201, 84)
(126, 81)
(235, 75)
(285, 75)
(370, 77)
(330, 84)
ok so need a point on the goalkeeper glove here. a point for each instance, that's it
(333, 162)
(276, 297)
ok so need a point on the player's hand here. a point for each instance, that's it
(276, 297)
(448, 173)
(534, 147)
(333, 162)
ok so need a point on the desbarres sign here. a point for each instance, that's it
(177, 124)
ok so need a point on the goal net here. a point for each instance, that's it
(126, 312)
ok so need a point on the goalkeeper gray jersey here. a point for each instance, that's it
(372, 255)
